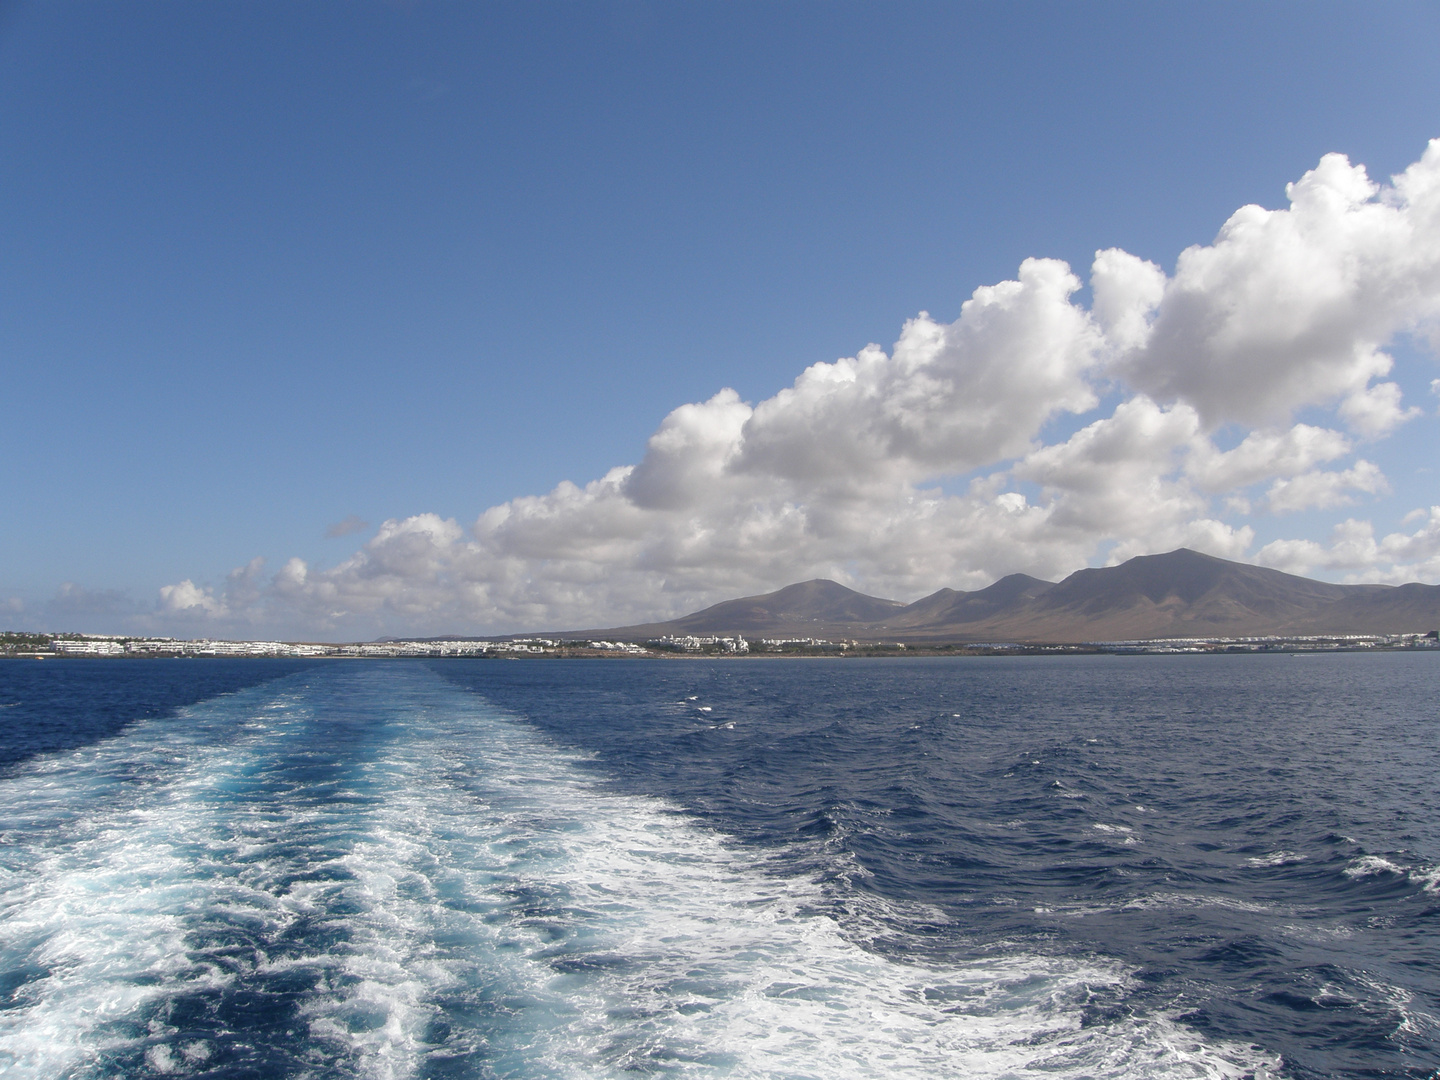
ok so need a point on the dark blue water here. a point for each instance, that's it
(1077, 867)
(49, 707)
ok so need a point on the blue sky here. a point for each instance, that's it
(268, 267)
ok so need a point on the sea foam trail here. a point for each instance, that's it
(363, 871)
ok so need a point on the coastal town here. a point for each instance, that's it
(43, 646)
(35, 646)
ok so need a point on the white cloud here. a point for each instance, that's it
(1116, 475)
(1127, 291)
(1262, 455)
(190, 599)
(1395, 559)
(1415, 556)
(1289, 308)
(1321, 490)
(690, 453)
(1292, 556)
(1376, 411)
(929, 465)
(951, 397)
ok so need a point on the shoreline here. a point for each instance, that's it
(851, 650)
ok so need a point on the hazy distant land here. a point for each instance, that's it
(1182, 598)
(1182, 594)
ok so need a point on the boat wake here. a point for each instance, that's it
(366, 871)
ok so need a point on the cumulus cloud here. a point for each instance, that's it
(1395, 558)
(190, 599)
(1376, 410)
(1126, 291)
(1416, 554)
(950, 398)
(971, 448)
(1289, 308)
(690, 454)
(1118, 474)
(1263, 454)
(1322, 490)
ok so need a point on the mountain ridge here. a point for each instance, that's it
(1181, 593)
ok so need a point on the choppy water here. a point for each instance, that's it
(1085, 867)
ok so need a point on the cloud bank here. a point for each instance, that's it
(946, 461)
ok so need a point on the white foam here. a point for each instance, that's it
(720, 968)
(1370, 866)
(1427, 877)
(90, 904)
(560, 930)
(1275, 858)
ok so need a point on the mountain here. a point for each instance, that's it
(1179, 594)
(818, 608)
(796, 608)
(949, 608)
(1186, 594)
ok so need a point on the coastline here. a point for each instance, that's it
(104, 648)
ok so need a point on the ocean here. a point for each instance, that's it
(1069, 867)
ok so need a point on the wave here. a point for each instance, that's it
(1368, 866)
(365, 871)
